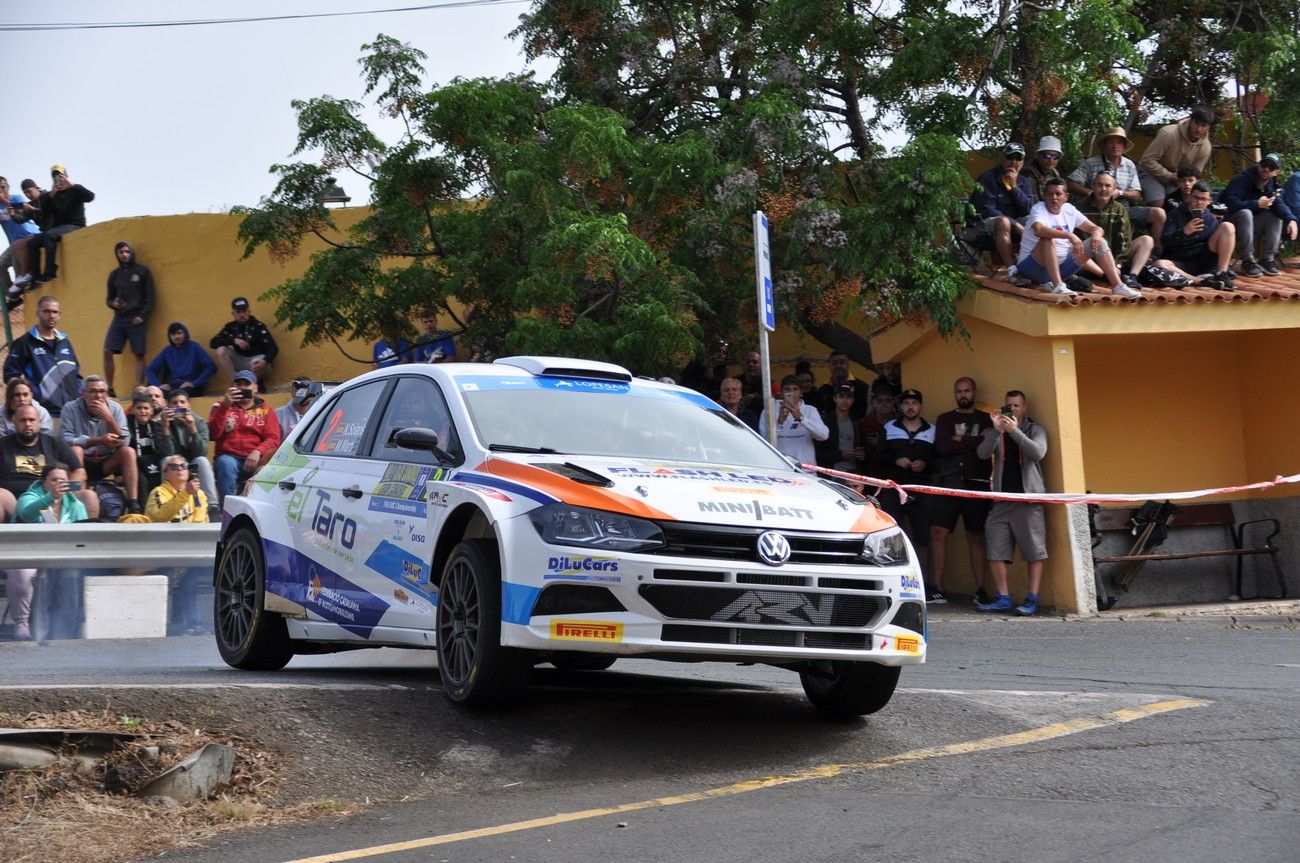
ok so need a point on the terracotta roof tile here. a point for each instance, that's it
(1281, 287)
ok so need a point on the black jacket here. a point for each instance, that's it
(253, 331)
(133, 283)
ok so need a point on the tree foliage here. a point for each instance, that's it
(606, 212)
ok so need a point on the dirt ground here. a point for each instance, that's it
(300, 755)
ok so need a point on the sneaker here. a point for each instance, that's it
(22, 632)
(1209, 280)
(14, 292)
(1001, 603)
(45, 280)
(214, 512)
(1270, 267)
(21, 281)
(1229, 275)
(936, 597)
(1131, 281)
(1029, 607)
(133, 507)
(981, 596)
(1061, 290)
(1126, 292)
(1250, 268)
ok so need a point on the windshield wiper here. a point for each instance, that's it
(510, 447)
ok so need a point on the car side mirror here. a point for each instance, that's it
(425, 440)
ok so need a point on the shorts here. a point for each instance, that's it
(1204, 261)
(120, 331)
(1154, 189)
(1032, 270)
(990, 224)
(1013, 525)
(1140, 215)
(945, 509)
(245, 364)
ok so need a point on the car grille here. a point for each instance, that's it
(687, 539)
(765, 637)
(761, 606)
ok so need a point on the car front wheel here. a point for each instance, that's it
(847, 689)
(475, 668)
(248, 637)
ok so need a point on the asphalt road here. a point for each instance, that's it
(1035, 740)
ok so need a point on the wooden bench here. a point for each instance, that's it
(1197, 515)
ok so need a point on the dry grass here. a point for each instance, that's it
(58, 813)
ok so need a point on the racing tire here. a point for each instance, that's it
(248, 636)
(582, 661)
(475, 669)
(850, 689)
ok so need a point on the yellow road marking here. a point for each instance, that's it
(826, 771)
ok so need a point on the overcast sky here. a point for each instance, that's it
(160, 120)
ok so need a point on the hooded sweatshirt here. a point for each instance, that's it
(132, 283)
(176, 364)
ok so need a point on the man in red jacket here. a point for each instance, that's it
(245, 431)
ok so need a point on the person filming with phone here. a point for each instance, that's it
(245, 431)
(797, 424)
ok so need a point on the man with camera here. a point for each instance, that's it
(1260, 215)
(95, 426)
(245, 431)
(24, 455)
(1195, 242)
(59, 211)
(1017, 446)
(798, 425)
(14, 231)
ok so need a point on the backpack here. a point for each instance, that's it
(112, 502)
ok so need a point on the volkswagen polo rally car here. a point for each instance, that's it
(540, 509)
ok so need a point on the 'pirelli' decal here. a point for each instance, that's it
(586, 630)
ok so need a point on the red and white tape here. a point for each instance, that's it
(904, 488)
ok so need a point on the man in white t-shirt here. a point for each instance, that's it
(798, 426)
(1051, 251)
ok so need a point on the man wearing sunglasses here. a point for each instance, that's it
(1045, 166)
(1003, 200)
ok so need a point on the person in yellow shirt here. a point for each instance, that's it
(178, 498)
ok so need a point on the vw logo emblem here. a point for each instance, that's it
(773, 548)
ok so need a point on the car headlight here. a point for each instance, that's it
(562, 524)
(885, 547)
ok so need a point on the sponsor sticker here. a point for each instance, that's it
(907, 643)
(757, 509)
(911, 583)
(586, 630)
(729, 477)
(590, 569)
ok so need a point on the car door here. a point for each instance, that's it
(399, 515)
(327, 511)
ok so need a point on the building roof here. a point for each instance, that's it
(1281, 287)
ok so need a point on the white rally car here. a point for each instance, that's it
(540, 509)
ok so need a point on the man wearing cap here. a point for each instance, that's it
(1017, 446)
(909, 458)
(1051, 251)
(15, 230)
(59, 211)
(182, 366)
(1260, 215)
(244, 344)
(131, 297)
(843, 449)
(1003, 199)
(1045, 165)
(245, 431)
(96, 429)
(1186, 142)
(305, 392)
(1113, 144)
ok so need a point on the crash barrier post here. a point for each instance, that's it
(105, 580)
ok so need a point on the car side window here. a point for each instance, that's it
(415, 403)
(340, 429)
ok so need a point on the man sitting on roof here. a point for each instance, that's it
(1050, 251)
(1260, 215)
(1196, 242)
(1112, 145)
(1102, 207)
(1002, 201)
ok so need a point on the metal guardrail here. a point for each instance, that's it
(107, 546)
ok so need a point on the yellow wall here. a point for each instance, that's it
(1001, 359)
(196, 265)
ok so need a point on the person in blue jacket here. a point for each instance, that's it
(182, 366)
(1291, 193)
(14, 230)
(1260, 214)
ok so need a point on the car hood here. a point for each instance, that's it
(677, 491)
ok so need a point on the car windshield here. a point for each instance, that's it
(656, 425)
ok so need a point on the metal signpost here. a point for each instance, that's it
(766, 315)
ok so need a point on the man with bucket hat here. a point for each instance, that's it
(1110, 148)
(1045, 165)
